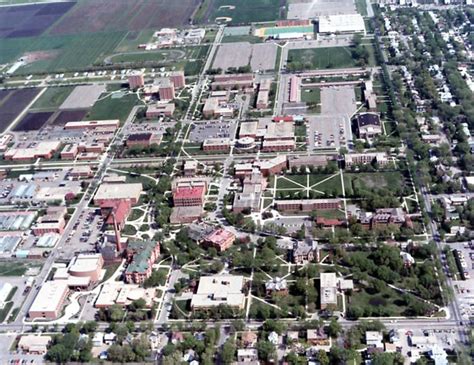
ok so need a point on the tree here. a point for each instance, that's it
(58, 354)
(322, 357)
(266, 351)
(334, 328)
(115, 313)
(228, 352)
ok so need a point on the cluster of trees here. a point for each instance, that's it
(70, 346)
(205, 348)
(136, 311)
(136, 351)
(359, 52)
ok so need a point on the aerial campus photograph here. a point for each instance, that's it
(237, 182)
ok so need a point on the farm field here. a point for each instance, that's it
(30, 20)
(13, 104)
(53, 97)
(69, 116)
(243, 11)
(324, 58)
(113, 108)
(59, 53)
(32, 121)
(113, 15)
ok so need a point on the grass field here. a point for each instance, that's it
(53, 97)
(113, 108)
(242, 38)
(13, 269)
(324, 58)
(390, 180)
(189, 59)
(361, 7)
(319, 185)
(60, 53)
(133, 39)
(245, 11)
(312, 97)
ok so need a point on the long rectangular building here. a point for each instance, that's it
(49, 300)
(307, 205)
(93, 124)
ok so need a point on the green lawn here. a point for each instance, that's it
(133, 39)
(246, 11)
(242, 38)
(391, 180)
(189, 59)
(113, 108)
(60, 53)
(361, 7)
(53, 97)
(312, 98)
(324, 58)
(320, 184)
(13, 269)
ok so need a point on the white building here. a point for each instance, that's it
(342, 23)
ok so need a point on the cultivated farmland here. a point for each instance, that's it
(30, 20)
(107, 15)
(32, 121)
(69, 116)
(13, 104)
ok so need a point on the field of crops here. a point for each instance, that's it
(113, 15)
(60, 53)
(69, 116)
(32, 121)
(12, 104)
(30, 20)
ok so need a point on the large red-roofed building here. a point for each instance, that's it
(188, 196)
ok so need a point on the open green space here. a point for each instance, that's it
(189, 59)
(242, 38)
(325, 58)
(391, 180)
(244, 11)
(53, 97)
(361, 7)
(14, 268)
(133, 39)
(329, 185)
(59, 53)
(113, 108)
(312, 98)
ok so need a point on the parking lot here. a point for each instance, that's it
(332, 129)
(212, 129)
(226, 55)
(263, 56)
(329, 131)
(84, 235)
